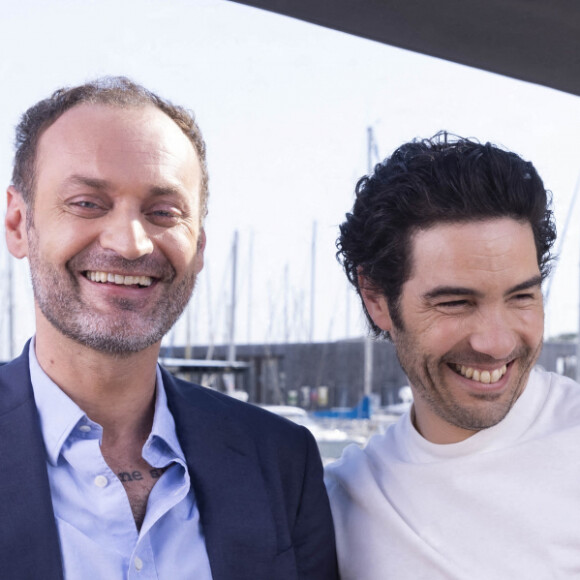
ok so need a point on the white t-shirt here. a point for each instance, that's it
(503, 504)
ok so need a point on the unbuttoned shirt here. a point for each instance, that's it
(98, 535)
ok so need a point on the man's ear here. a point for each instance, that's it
(375, 303)
(15, 223)
(198, 258)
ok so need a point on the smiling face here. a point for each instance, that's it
(115, 240)
(472, 314)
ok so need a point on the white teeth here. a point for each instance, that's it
(485, 377)
(119, 279)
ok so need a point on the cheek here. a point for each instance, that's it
(179, 249)
(440, 335)
(63, 244)
(531, 324)
(57, 244)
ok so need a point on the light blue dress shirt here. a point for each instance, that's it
(98, 536)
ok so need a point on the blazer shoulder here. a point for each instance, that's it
(253, 419)
(15, 383)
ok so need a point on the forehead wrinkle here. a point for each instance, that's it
(445, 245)
(92, 182)
(104, 185)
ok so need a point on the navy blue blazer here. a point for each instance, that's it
(257, 479)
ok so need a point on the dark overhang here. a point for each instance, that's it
(532, 40)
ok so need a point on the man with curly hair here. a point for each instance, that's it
(447, 245)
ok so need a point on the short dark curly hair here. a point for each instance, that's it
(115, 91)
(443, 179)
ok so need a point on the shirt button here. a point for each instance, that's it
(85, 428)
(101, 481)
(138, 563)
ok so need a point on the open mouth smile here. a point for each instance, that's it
(480, 376)
(118, 279)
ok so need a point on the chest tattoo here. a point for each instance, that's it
(138, 475)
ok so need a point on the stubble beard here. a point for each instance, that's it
(122, 332)
(429, 384)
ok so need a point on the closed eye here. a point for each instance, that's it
(164, 217)
(453, 303)
(86, 204)
(85, 208)
(522, 297)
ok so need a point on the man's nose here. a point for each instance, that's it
(127, 236)
(493, 335)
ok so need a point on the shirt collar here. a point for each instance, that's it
(59, 415)
(162, 444)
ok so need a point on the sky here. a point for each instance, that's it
(284, 107)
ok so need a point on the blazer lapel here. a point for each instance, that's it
(240, 534)
(29, 546)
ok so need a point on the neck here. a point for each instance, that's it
(435, 429)
(118, 392)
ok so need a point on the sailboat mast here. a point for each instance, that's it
(368, 346)
(250, 286)
(312, 281)
(286, 311)
(232, 341)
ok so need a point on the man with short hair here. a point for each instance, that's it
(112, 467)
(447, 245)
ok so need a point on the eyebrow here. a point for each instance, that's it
(88, 181)
(103, 185)
(440, 291)
(531, 283)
